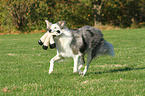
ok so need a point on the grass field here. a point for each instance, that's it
(24, 68)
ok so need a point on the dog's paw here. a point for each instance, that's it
(82, 75)
(50, 71)
(74, 71)
(80, 72)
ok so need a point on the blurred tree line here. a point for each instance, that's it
(28, 15)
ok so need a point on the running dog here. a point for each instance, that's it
(76, 43)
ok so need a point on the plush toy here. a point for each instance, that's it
(47, 40)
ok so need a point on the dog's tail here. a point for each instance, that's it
(109, 49)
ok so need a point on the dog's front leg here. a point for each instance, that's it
(76, 62)
(56, 58)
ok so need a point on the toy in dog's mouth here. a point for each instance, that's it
(47, 40)
(45, 47)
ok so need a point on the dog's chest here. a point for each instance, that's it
(63, 46)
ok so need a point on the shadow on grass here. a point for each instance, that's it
(63, 74)
(119, 70)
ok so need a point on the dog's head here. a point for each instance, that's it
(53, 31)
(55, 28)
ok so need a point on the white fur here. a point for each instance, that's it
(63, 44)
(64, 50)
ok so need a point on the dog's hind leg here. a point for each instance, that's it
(89, 59)
(81, 63)
(56, 58)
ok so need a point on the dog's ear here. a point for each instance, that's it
(47, 23)
(61, 23)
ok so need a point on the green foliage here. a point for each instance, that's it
(28, 15)
(75, 15)
(23, 14)
(121, 12)
(24, 68)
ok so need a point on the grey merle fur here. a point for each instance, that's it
(91, 37)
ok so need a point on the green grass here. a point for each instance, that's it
(24, 68)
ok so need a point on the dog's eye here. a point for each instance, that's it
(58, 31)
(50, 30)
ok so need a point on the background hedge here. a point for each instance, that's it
(28, 15)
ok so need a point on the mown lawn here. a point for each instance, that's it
(24, 68)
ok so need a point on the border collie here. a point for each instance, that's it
(76, 43)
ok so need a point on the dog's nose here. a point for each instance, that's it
(58, 31)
